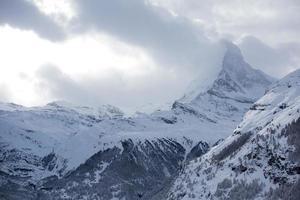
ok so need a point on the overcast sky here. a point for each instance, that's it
(130, 53)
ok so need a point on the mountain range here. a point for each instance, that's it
(237, 138)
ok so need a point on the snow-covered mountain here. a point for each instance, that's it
(67, 151)
(236, 86)
(260, 160)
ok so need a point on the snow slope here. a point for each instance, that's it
(260, 160)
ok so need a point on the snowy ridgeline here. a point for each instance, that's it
(67, 151)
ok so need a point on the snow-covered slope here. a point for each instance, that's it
(260, 160)
(30, 134)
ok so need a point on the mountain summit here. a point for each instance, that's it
(236, 87)
(236, 80)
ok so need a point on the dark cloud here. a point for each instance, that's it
(275, 61)
(172, 41)
(25, 15)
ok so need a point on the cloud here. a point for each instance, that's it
(25, 15)
(172, 41)
(178, 33)
(269, 29)
(276, 61)
(270, 20)
(116, 89)
(4, 93)
(56, 83)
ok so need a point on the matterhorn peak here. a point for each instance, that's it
(237, 80)
(231, 48)
(233, 59)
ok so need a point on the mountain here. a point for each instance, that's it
(260, 160)
(76, 152)
(236, 87)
